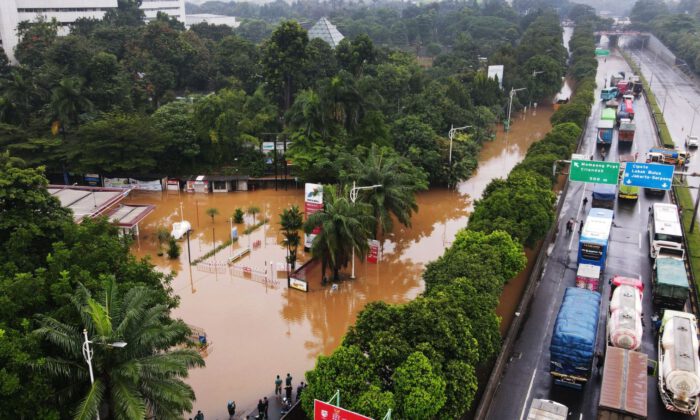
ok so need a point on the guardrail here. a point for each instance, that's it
(531, 286)
(694, 305)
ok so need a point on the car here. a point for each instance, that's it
(691, 141)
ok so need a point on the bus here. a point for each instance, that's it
(664, 228)
(593, 242)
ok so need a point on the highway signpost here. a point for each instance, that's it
(595, 172)
(648, 175)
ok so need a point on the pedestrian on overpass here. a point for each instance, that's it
(585, 201)
(580, 227)
(570, 226)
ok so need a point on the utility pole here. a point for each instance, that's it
(510, 105)
(451, 135)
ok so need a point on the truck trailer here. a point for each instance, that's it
(572, 348)
(604, 196)
(670, 279)
(625, 134)
(547, 410)
(625, 313)
(623, 392)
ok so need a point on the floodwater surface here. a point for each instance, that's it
(258, 329)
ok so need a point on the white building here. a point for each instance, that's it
(12, 12)
(211, 19)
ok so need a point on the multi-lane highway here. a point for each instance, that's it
(678, 96)
(527, 373)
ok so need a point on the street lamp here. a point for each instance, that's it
(451, 135)
(88, 352)
(353, 198)
(534, 74)
(510, 105)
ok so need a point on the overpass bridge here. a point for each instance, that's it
(614, 35)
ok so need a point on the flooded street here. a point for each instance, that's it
(257, 331)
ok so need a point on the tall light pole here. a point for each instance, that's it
(451, 135)
(353, 198)
(534, 74)
(510, 105)
(87, 355)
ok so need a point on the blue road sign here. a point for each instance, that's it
(648, 175)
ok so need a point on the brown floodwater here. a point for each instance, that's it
(258, 330)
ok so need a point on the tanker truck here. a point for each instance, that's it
(679, 367)
(625, 315)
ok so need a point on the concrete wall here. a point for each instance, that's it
(658, 48)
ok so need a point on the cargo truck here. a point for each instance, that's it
(670, 279)
(679, 367)
(637, 86)
(604, 196)
(626, 192)
(615, 78)
(623, 392)
(606, 129)
(608, 114)
(625, 313)
(547, 410)
(572, 348)
(625, 134)
(588, 276)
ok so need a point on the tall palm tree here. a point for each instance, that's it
(343, 226)
(253, 210)
(19, 92)
(143, 378)
(307, 114)
(68, 101)
(399, 183)
(291, 220)
(212, 212)
(343, 101)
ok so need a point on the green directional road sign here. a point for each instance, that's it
(595, 172)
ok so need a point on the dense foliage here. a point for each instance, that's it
(45, 258)
(675, 24)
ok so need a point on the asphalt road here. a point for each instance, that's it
(527, 373)
(678, 95)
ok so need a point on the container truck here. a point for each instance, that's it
(622, 87)
(623, 391)
(625, 313)
(547, 410)
(604, 196)
(625, 134)
(670, 279)
(615, 78)
(679, 367)
(605, 132)
(572, 348)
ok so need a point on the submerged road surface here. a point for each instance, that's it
(527, 374)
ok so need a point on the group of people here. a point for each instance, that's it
(288, 387)
(571, 223)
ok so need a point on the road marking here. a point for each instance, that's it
(527, 397)
(580, 416)
(639, 208)
(640, 240)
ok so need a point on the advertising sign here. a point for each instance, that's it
(313, 202)
(594, 171)
(92, 180)
(115, 182)
(298, 284)
(373, 255)
(649, 175)
(325, 411)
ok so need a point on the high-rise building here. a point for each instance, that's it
(12, 12)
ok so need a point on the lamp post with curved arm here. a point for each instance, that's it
(353, 198)
(87, 355)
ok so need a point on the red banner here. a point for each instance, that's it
(325, 411)
(373, 255)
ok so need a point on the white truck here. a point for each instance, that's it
(547, 410)
(679, 366)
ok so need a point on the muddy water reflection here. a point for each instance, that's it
(258, 332)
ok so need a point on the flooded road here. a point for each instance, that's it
(258, 330)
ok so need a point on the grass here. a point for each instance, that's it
(685, 200)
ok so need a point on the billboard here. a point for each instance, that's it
(373, 254)
(313, 202)
(496, 71)
(325, 411)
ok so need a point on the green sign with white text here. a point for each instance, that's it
(595, 172)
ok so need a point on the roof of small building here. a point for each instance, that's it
(326, 31)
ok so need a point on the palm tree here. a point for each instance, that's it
(142, 379)
(68, 102)
(211, 212)
(399, 183)
(19, 92)
(343, 226)
(253, 210)
(291, 221)
(307, 114)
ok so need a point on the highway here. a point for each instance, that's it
(527, 374)
(678, 96)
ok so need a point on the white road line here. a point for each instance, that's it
(527, 397)
(580, 416)
(639, 207)
(640, 240)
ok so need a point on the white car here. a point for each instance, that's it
(691, 141)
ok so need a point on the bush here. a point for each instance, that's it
(173, 248)
(238, 215)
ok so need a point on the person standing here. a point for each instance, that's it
(261, 409)
(231, 407)
(585, 201)
(199, 416)
(278, 386)
(569, 226)
(580, 227)
(300, 389)
(288, 392)
(288, 380)
(266, 405)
